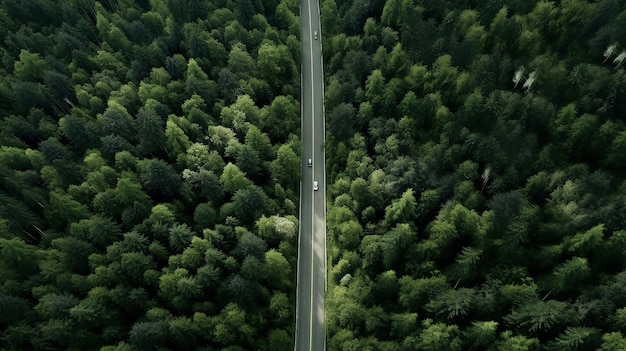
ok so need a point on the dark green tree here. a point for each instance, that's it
(145, 335)
(160, 178)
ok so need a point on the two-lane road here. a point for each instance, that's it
(311, 289)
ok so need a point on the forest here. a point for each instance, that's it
(150, 160)
(476, 195)
(149, 172)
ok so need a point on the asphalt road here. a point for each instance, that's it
(311, 276)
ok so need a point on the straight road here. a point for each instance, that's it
(311, 275)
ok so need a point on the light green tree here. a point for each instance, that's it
(286, 167)
(29, 67)
(439, 337)
(613, 341)
(176, 141)
(278, 271)
(276, 65)
(402, 210)
(393, 13)
(233, 179)
(512, 342)
(231, 325)
(282, 115)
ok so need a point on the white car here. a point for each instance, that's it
(315, 187)
(315, 35)
(309, 163)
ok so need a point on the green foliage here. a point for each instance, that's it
(160, 178)
(482, 333)
(571, 274)
(282, 115)
(30, 67)
(231, 318)
(250, 245)
(276, 65)
(150, 167)
(510, 178)
(439, 337)
(612, 342)
(286, 167)
(280, 340)
(150, 130)
(517, 342)
(19, 260)
(250, 204)
(341, 120)
(63, 210)
(402, 210)
(414, 293)
(233, 179)
(278, 270)
(453, 303)
(54, 306)
(117, 120)
(540, 315)
(103, 83)
(586, 243)
(180, 237)
(146, 335)
(176, 142)
(576, 338)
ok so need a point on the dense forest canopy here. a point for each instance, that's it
(476, 156)
(150, 159)
(149, 168)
